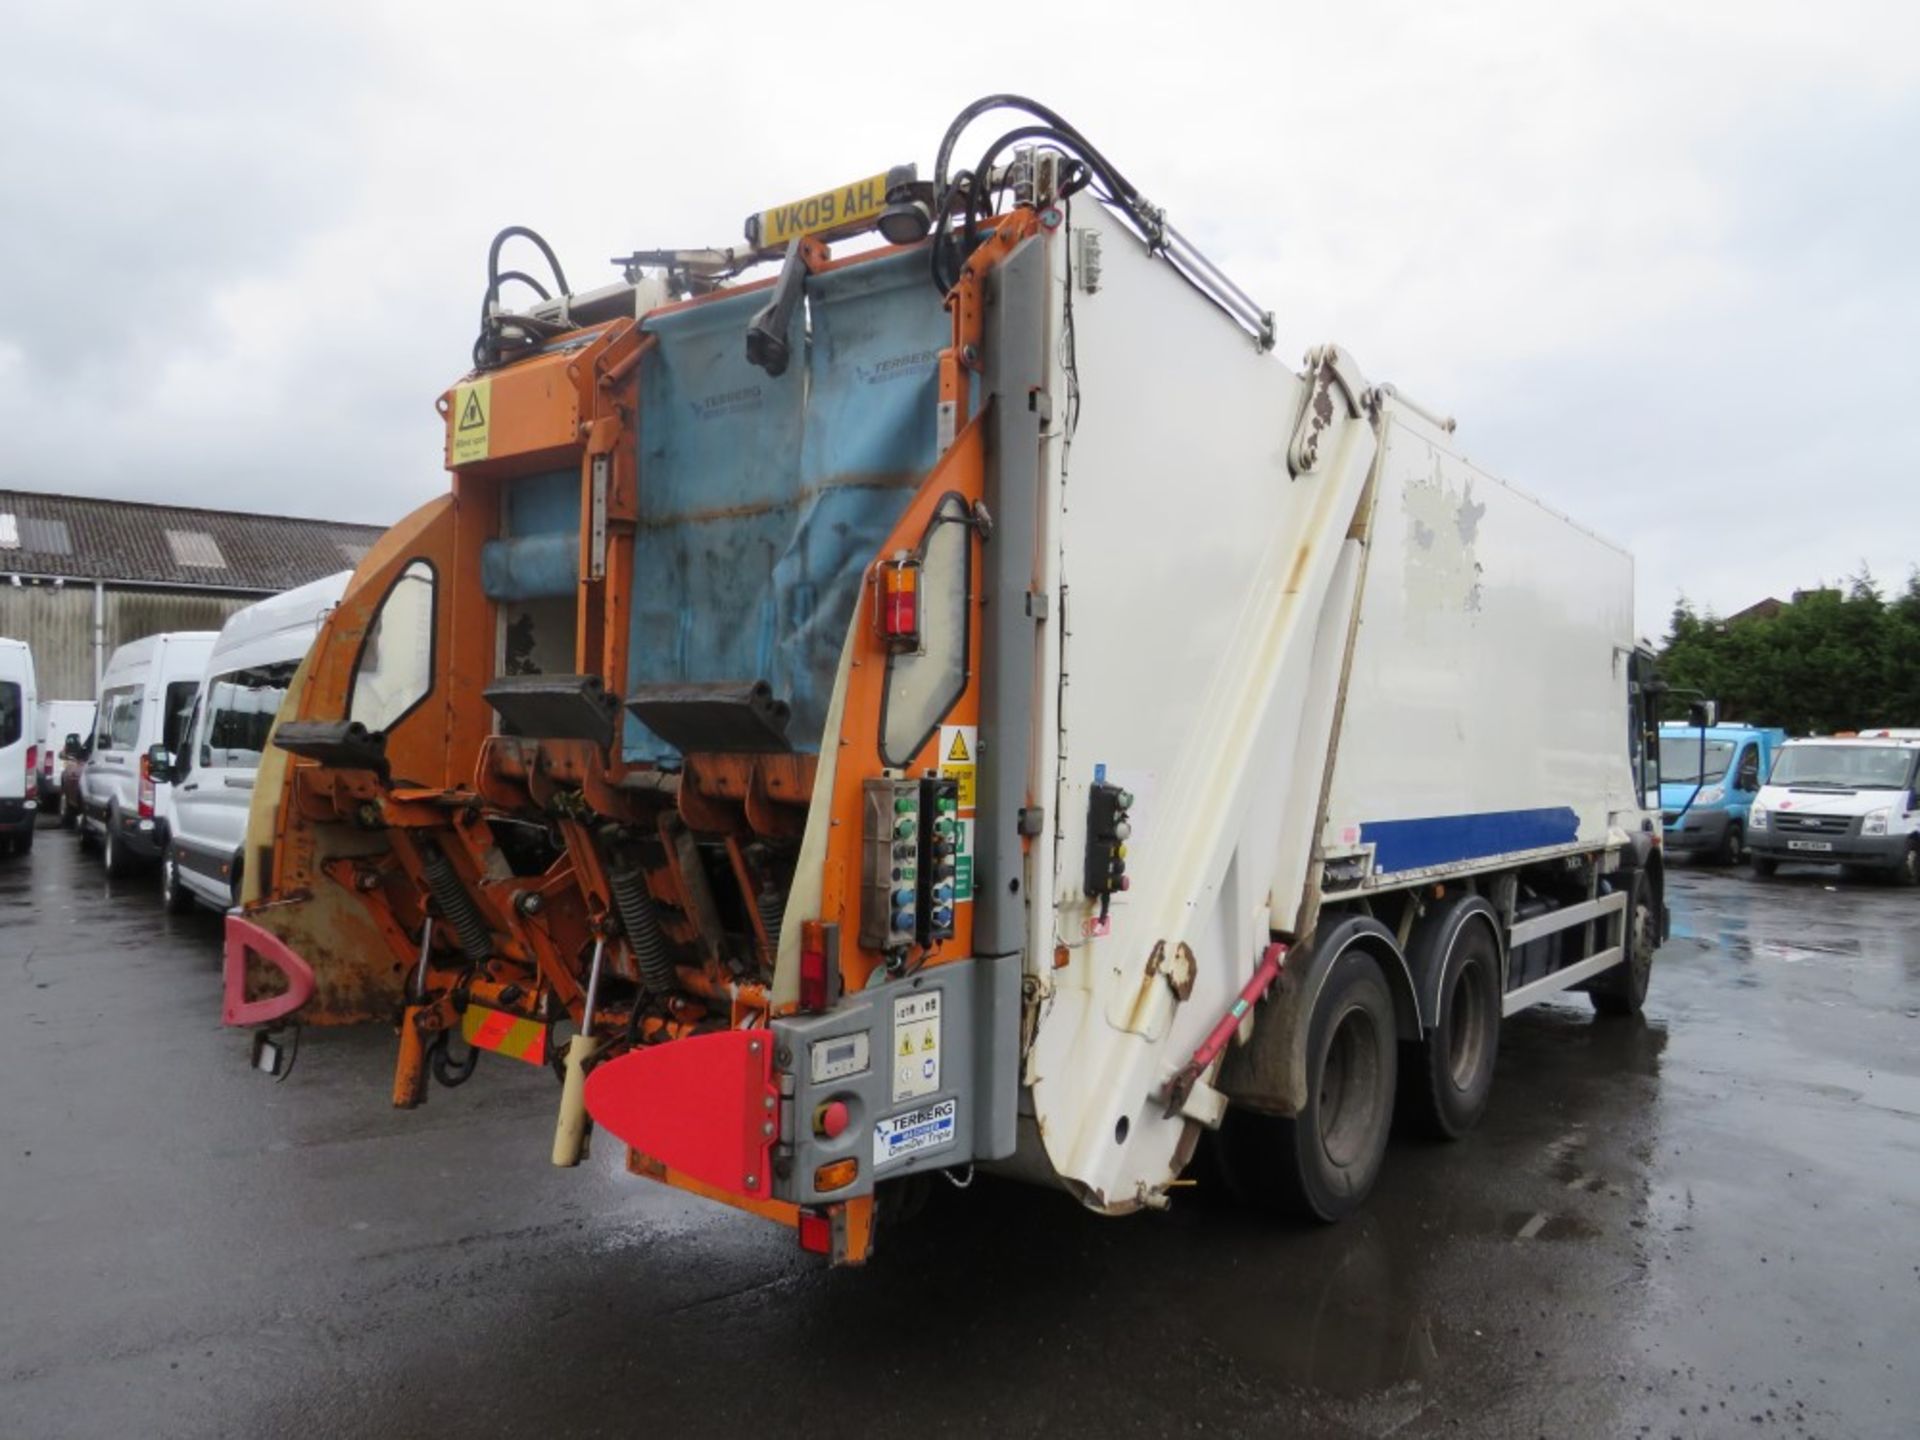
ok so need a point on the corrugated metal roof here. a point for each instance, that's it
(131, 542)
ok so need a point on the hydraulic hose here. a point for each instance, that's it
(476, 940)
(642, 924)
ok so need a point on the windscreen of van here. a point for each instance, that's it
(11, 718)
(179, 710)
(1680, 759)
(1844, 767)
(240, 710)
(118, 724)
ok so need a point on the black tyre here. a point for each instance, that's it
(174, 896)
(1733, 845)
(23, 842)
(1623, 989)
(113, 849)
(1330, 1152)
(1908, 871)
(1765, 865)
(1447, 1078)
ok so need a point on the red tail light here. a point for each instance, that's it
(900, 604)
(816, 1232)
(33, 764)
(814, 990)
(146, 788)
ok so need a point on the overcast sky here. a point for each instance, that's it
(1663, 264)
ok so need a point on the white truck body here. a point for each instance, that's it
(1391, 669)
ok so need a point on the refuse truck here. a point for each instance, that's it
(925, 690)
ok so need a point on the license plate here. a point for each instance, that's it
(1809, 845)
(853, 204)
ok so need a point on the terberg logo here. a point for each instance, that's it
(897, 367)
(711, 407)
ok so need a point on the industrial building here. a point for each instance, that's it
(80, 576)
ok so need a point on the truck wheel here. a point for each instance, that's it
(1623, 989)
(1908, 872)
(1764, 865)
(1331, 1151)
(1733, 848)
(1448, 1076)
(175, 898)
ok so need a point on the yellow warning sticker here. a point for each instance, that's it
(471, 419)
(959, 747)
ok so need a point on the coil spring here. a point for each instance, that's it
(476, 940)
(772, 906)
(642, 924)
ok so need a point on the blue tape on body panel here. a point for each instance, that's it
(1446, 839)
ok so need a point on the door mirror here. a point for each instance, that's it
(160, 765)
(1702, 713)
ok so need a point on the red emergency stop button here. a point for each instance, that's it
(830, 1119)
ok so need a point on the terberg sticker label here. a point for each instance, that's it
(917, 1130)
(959, 750)
(472, 419)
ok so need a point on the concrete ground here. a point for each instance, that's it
(1699, 1224)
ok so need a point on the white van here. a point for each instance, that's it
(246, 677)
(1849, 800)
(19, 752)
(146, 697)
(58, 720)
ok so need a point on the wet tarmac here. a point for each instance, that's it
(1706, 1223)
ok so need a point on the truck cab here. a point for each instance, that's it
(1852, 800)
(1709, 777)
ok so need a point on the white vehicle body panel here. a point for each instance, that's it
(1206, 609)
(1486, 712)
(16, 671)
(240, 691)
(132, 718)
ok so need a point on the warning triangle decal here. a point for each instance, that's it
(472, 417)
(958, 754)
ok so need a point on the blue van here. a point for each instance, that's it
(1704, 806)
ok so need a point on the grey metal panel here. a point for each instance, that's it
(57, 624)
(996, 1064)
(1015, 373)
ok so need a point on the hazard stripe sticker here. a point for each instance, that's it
(514, 1036)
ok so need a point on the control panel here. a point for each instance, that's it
(940, 842)
(908, 861)
(890, 864)
(1108, 827)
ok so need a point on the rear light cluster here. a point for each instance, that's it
(33, 765)
(815, 992)
(146, 788)
(900, 603)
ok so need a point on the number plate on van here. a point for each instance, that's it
(1809, 845)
